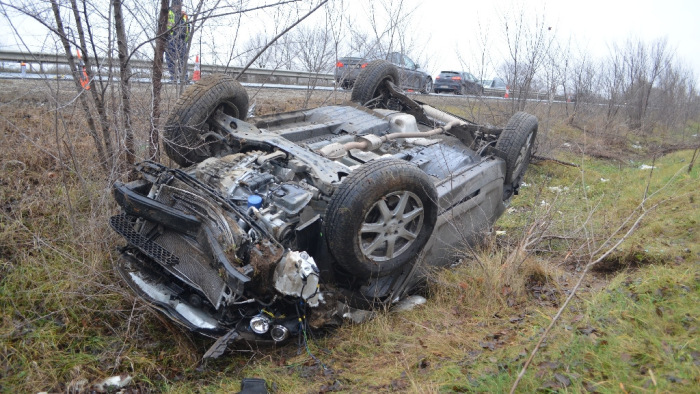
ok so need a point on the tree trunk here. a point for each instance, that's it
(156, 76)
(124, 75)
(99, 103)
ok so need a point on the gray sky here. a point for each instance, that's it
(449, 34)
(592, 25)
(453, 29)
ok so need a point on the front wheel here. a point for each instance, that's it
(188, 137)
(380, 218)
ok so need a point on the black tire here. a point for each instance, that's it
(362, 239)
(427, 86)
(188, 121)
(515, 146)
(370, 83)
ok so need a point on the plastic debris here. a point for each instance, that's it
(646, 167)
(409, 303)
(112, 383)
(604, 180)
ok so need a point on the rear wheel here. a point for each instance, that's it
(370, 84)
(187, 133)
(380, 217)
(515, 146)
(427, 86)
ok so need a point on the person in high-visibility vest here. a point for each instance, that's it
(178, 34)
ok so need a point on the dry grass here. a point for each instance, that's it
(67, 318)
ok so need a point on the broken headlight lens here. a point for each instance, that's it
(279, 333)
(260, 324)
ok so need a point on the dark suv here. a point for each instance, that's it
(347, 69)
(458, 82)
(411, 77)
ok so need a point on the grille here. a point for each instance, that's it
(177, 254)
(122, 225)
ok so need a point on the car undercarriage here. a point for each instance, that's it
(301, 220)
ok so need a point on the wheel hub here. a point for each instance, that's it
(391, 226)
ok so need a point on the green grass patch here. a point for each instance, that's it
(639, 334)
(593, 201)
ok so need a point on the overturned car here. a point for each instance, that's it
(298, 220)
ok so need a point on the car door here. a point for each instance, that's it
(413, 77)
(397, 59)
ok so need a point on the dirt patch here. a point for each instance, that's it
(632, 259)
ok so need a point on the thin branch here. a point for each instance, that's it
(278, 36)
(571, 296)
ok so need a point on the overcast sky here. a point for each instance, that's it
(592, 25)
(448, 33)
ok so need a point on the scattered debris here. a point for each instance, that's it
(604, 180)
(408, 303)
(646, 167)
(253, 386)
(358, 316)
(558, 189)
(112, 383)
(77, 386)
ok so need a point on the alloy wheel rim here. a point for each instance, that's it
(391, 226)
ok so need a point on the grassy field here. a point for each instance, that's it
(68, 322)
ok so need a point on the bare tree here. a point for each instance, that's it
(528, 39)
(314, 49)
(124, 83)
(156, 77)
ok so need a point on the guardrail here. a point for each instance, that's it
(141, 69)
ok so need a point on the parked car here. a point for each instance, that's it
(494, 86)
(412, 77)
(347, 69)
(296, 221)
(458, 82)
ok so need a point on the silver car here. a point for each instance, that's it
(290, 222)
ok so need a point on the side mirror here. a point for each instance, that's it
(416, 66)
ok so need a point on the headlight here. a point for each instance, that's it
(279, 333)
(260, 324)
